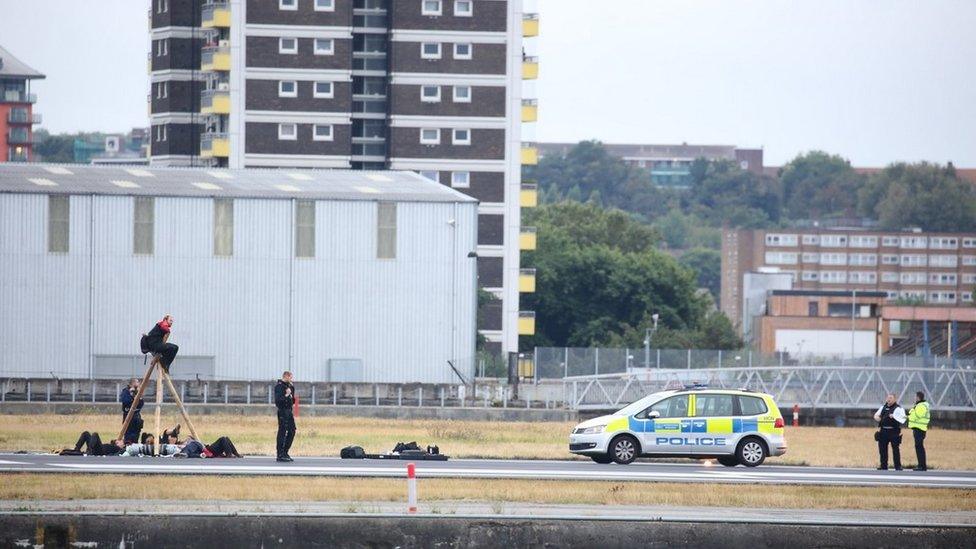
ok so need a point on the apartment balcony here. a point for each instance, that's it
(215, 58)
(530, 155)
(14, 96)
(527, 238)
(530, 25)
(530, 110)
(19, 136)
(215, 145)
(215, 102)
(529, 195)
(215, 15)
(530, 68)
(526, 323)
(527, 281)
(23, 117)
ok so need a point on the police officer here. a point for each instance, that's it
(918, 422)
(126, 397)
(285, 402)
(890, 417)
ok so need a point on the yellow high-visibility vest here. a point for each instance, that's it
(918, 417)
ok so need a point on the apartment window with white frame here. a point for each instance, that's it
(833, 259)
(430, 94)
(811, 257)
(863, 241)
(891, 294)
(430, 136)
(810, 276)
(914, 242)
(889, 259)
(969, 260)
(943, 279)
(461, 180)
(889, 241)
(943, 243)
(969, 279)
(967, 296)
(462, 51)
(833, 277)
(432, 175)
(781, 258)
(862, 277)
(913, 294)
(324, 46)
(942, 297)
(288, 132)
(322, 132)
(863, 260)
(889, 276)
(430, 50)
(461, 136)
(324, 5)
(287, 88)
(914, 260)
(811, 239)
(969, 243)
(323, 90)
(943, 260)
(463, 8)
(913, 278)
(462, 94)
(162, 47)
(781, 239)
(833, 241)
(431, 7)
(288, 46)
(289, 5)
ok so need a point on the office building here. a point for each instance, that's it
(17, 116)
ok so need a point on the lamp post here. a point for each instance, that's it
(647, 340)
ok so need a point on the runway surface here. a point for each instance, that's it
(476, 468)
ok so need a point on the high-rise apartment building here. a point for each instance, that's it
(17, 116)
(433, 86)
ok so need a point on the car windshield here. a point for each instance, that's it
(641, 404)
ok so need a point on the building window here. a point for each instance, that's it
(967, 296)
(287, 88)
(323, 90)
(943, 243)
(889, 259)
(162, 47)
(432, 175)
(462, 51)
(811, 239)
(462, 137)
(913, 260)
(386, 230)
(162, 6)
(833, 241)
(463, 8)
(943, 279)
(833, 259)
(811, 257)
(58, 223)
(862, 277)
(863, 260)
(861, 241)
(291, 5)
(461, 180)
(813, 308)
(324, 5)
(431, 7)
(430, 136)
(969, 279)
(287, 132)
(969, 243)
(888, 276)
(305, 228)
(969, 260)
(781, 258)
(913, 278)
(781, 239)
(943, 260)
(288, 46)
(162, 90)
(889, 241)
(430, 94)
(430, 50)
(160, 133)
(942, 297)
(143, 219)
(324, 46)
(810, 276)
(462, 94)
(322, 132)
(914, 242)
(833, 277)
(223, 227)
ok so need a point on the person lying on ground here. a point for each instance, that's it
(94, 446)
(147, 448)
(221, 448)
(171, 436)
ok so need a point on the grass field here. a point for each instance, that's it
(816, 446)
(29, 487)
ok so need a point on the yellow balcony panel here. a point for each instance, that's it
(530, 25)
(215, 16)
(526, 366)
(215, 59)
(215, 145)
(530, 68)
(527, 239)
(529, 195)
(530, 110)
(215, 102)
(527, 281)
(526, 323)
(530, 155)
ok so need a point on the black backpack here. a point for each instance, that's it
(352, 452)
(144, 344)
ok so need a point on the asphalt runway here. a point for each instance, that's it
(692, 472)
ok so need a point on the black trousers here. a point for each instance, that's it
(920, 447)
(286, 431)
(167, 353)
(94, 445)
(892, 437)
(223, 447)
(135, 428)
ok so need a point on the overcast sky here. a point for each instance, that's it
(873, 80)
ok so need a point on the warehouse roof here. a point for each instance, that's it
(401, 186)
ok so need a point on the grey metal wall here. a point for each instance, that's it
(257, 313)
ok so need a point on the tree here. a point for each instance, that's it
(707, 266)
(817, 185)
(922, 195)
(54, 148)
(732, 196)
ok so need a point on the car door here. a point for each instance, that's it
(712, 424)
(661, 426)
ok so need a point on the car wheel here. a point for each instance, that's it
(624, 449)
(751, 452)
(728, 461)
(602, 459)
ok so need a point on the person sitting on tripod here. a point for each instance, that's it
(155, 342)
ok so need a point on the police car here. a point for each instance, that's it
(732, 426)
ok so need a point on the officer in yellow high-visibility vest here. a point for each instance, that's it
(918, 422)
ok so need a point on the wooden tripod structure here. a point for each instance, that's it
(161, 376)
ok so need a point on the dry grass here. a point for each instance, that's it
(817, 446)
(32, 487)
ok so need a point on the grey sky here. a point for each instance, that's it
(873, 80)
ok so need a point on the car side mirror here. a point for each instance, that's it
(653, 414)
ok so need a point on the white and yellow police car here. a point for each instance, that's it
(732, 426)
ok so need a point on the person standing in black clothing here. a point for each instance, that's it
(155, 342)
(890, 417)
(284, 393)
(127, 397)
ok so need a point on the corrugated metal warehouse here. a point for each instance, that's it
(335, 275)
